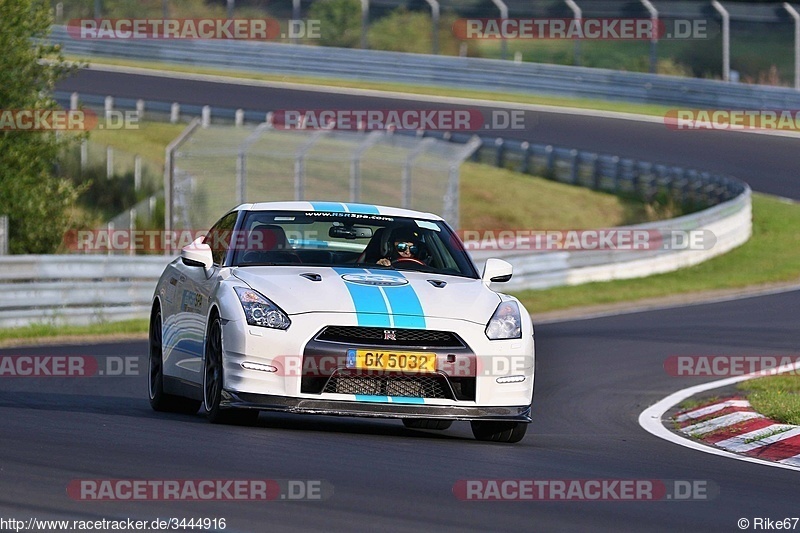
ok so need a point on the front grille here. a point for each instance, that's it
(403, 337)
(422, 386)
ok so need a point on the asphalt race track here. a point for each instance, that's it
(768, 163)
(594, 378)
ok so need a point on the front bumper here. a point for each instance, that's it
(315, 406)
(286, 351)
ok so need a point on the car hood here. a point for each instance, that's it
(407, 296)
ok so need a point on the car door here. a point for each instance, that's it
(193, 294)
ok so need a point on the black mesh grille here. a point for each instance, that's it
(397, 337)
(423, 386)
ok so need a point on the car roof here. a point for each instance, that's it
(337, 207)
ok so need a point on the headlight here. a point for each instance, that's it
(259, 311)
(505, 323)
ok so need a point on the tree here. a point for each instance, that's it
(340, 22)
(35, 201)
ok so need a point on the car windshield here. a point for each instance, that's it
(334, 239)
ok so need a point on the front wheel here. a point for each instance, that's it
(499, 431)
(214, 379)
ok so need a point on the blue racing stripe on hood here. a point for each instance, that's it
(368, 300)
(405, 304)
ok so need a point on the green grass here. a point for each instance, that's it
(36, 331)
(547, 204)
(775, 235)
(523, 98)
(149, 140)
(776, 397)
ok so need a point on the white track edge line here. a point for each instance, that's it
(651, 419)
(678, 305)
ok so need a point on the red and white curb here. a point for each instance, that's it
(756, 448)
(735, 426)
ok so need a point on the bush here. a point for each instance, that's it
(340, 22)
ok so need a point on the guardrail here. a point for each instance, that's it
(730, 223)
(76, 289)
(440, 71)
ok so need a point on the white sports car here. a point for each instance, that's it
(340, 309)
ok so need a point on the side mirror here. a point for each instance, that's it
(197, 254)
(496, 271)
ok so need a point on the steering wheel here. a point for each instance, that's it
(408, 260)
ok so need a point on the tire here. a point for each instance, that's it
(214, 381)
(159, 400)
(499, 431)
(426, 423)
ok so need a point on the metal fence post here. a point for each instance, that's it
(109, 162)
(84, 154)
(654, 35)
(355, 163)
(169, 174)
(526, 157)
(175, 113)
(364, 23)
(241, 160)
(435, 26)
(796, 16)
(241, 177)
(500, 152)
(596, 174)
(132, 227)
(503, 15)
(726, 40)
(573, 171)
(137, 172)
(577, 17)
(4, 235)
(295, 18)
(108, 106)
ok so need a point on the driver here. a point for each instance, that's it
(405, 246)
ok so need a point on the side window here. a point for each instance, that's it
(219, 237)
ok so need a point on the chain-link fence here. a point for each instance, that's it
(219, 167)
